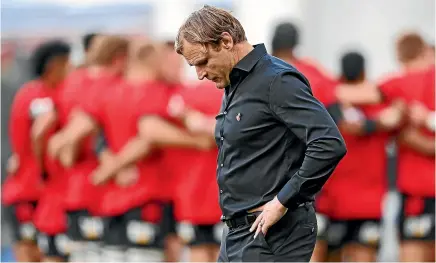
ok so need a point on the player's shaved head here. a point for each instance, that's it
(145, 51)
(410, 46)
(108, 49)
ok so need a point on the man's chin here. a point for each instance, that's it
(220, 85)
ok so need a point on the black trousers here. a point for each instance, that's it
(291, 239)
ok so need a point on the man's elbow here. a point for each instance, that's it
(340, 148)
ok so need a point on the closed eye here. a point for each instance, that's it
(200, 63)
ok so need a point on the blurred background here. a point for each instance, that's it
(328, 29)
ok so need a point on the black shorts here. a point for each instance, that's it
(54, 246)
(362, 232)
(21, 231)
(129, 230)
(197, 235)
(168, 223)
(323, 223)
(421, 226)
(84, 227)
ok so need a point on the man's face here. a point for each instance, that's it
(212, 63)
(119, 64)
(94, 47)
(58, 68)
(172, 66)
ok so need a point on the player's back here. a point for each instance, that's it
(322, 83)
(32, 100)
(417, 87)
(359, 182)
(199, 178)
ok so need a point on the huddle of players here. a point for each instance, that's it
(106, 154)
(370, 115)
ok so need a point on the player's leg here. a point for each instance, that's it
(320, 252)
(214, 248)
(142, 238)
(91, 230)
(113, 248)
(205, 245)
(173, 245)
(77, 253)
(55, 248)
(337, 235)
(418, 233)
(24, 235)
(364, 241)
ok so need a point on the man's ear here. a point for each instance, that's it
(226, 41)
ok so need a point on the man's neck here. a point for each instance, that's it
(141, 75)
(415, 65)
(287, 56)
(97, 71)
(48, 82)
(241, 50)
(355, 82)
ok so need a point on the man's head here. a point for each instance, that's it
(211, 39)
(111, 52)
(51, 61)
(286, 38)
(171, 67)
(412, 50)
(145, 56)
(89, 42)
(353, 67)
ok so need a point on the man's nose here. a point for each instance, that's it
(200, 73)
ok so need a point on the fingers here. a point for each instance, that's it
(97, 178)
(259, 225)
(265, 227)
(256, 222)
(259, 228)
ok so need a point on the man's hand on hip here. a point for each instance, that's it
(272, 212)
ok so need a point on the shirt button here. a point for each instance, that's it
(225, 113)
(221, 191)
(222, 138)
(222, 165)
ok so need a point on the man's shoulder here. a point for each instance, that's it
(282, 69)
(29, 89)
(274, 67)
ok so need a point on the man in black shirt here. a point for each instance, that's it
(277, 144)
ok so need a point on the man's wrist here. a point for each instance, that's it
(369, 126)
(279, 204)
(281, 197)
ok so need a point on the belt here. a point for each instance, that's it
(240, 220)
(249, 219)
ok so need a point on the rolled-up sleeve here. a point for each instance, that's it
(291, 102)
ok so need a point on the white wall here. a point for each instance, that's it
(328, 27)
(371, 25)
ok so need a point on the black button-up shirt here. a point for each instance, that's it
(274, 137)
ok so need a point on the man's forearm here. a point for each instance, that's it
(199, 123)
(79, 126)
(40, 127)
(320, 161)
(357, 128)
(421, 143)
(161, 133)
(366, 94)
(136, 149)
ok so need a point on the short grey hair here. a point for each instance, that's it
(206, 25)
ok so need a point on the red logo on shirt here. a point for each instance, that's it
(238, 117)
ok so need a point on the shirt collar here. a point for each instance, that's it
(248, 62)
